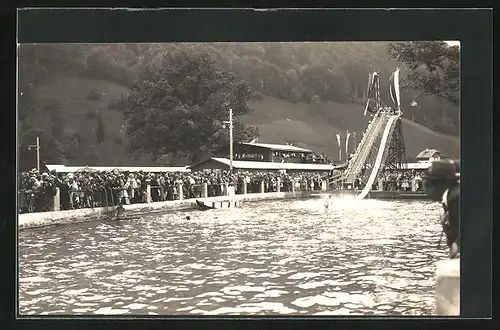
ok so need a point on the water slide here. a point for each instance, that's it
(365, 147)
(389, 128)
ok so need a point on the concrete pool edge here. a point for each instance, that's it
(44, 219)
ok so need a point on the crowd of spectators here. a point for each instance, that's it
(286, 157)
(89, 188)
(401, 181)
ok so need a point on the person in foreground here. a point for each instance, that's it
(328, 201)
(120, 211)
(442, 182)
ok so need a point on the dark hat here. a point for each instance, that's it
(445, 169)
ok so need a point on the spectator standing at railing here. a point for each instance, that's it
(132, 188)
(177, 193)
(81, 180)
(161, 187)
(87, 191)
(405, 185)
(418, 182)
(29, 193)
(212, 181)
(48, 187)
(145, 181)
(138, 193)
(190, 184)
(123, 190)
(169, 187)
(72, 185)
(155, 188)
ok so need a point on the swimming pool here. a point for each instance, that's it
(363, 257)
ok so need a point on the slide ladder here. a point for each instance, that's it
(364, 149)
(381, 155)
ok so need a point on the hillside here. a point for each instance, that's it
(69, 98)
(293, 71)
(309, 125)
(315, 127)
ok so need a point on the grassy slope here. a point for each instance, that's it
(316, 125)
(71, 94)
(311, 126)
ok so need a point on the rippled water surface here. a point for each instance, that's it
(282, 257)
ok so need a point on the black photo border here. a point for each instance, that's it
(473, 28)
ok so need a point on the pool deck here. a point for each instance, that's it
(375, 194)
(42, 219)
(379, 194)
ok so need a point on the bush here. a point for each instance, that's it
(91, 114)
(93, 95)
(315, 99)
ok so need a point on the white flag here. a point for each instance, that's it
(394, 88)
(366, 108)
(372, 81)
(340, 149)
(347, 143)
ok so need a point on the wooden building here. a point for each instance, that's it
(275, 153)
(429, 155)
(255, 166)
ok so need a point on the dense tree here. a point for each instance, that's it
(434, 67)
(179, 103)
(293, 71)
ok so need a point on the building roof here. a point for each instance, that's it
(243, 164)
(427, 153)
(416, 166)
(281, 147)
(151, 169)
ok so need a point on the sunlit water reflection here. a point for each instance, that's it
(281, 257)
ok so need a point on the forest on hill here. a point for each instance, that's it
(310, 73)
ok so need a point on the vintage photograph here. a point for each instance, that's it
(239, 178)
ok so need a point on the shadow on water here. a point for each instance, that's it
(283, 257)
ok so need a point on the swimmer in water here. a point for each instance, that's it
(327, 202)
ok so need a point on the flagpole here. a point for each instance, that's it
(340, 147)
(230, 124)
(38, 154)
(37, 146)
(230, 140)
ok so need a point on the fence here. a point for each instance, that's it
(110, 197)
(399, 185)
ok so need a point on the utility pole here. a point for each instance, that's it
(230, 123)
(37, 147)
